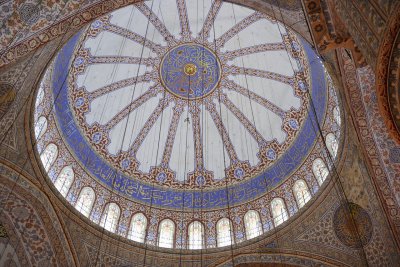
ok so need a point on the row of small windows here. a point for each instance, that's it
(166, 232)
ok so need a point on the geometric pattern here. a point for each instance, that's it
(202, 83)
(352, 225)
(172, 84)
(236, 168)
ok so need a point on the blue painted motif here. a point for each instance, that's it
(125, 164)
(79, 102)
(200, 180)
(199, 80)
(271, 154)
(161, 177)
(293, 124)
(169, 198)
(302, 86)
(96, 137)
(78, 61)
(239, 172)
(96, 24)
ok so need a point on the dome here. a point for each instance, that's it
(187, 127)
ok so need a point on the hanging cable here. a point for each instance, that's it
(252, 110)
(231, 233)
(23, 106)
(335, 176)
(156, 163)
(123, 137)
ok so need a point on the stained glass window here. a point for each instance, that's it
(279, 212)
(49, 155)
(332, 144)
(64, 180)
(224, 232)
(166, 234)
(196, 235)
(85, 201)
(167, 120)
(137, 231)
(252, 224)
(40, 96)
(40, 127)
(110, 217)
(320, 170)
(336, 115)
(301, 192)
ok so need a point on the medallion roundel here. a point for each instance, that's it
(353, 225)
(152, 115)
(190, 71)
(185, 115)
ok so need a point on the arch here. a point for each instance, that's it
(252, 224)
(85, 201)
(110, 217)
(64, 180)
(137, 230)
(40, 127)
(272, 259)
(40, 95)
(301, 193)
(332, 144)
(166, 233)
(279, 212)
(48, 156)
(336, 115)
(196, 235)
(224, 232)
(320, 170)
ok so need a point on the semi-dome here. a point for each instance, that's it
(187, 127)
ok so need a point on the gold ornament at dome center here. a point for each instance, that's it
(190, 69)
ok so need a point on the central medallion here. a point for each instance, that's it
(190, 71)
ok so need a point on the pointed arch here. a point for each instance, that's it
(40, 127)
(196, 235)
(252, 224)
(85, 201)
(64, 180)
(137, 230)
(320, 170)
(48, 156)
(224, 232)
(279, 212)
(336, 115)
(110, 217)
(332, 144)
(166, 233)
(40, 95)
(301, 193)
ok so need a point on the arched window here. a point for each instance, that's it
(110, 217)
(85, 201)
(336, 115)
(40, 127)
(64, 180)
(320, 170)
(224, 232)
(40, 96)
(332, 144)
(49, 155)
(252, 224)
(279, 212)
(196, 235)
(166, 234)
(137, 230)
(301, 193)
